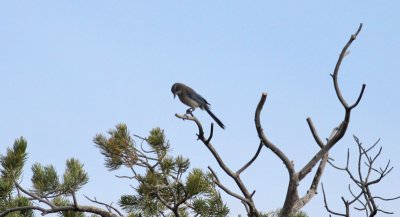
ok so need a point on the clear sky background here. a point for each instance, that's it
(72, 69)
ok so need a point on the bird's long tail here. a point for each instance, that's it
(215, 118)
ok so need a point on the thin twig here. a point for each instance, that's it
(252, 159)
(104, 204)
(220, 185)
(326, 203)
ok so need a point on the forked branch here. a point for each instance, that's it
(292, 202)
(344, 124)
(264, 139)
(247, 198)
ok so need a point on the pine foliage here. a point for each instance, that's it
(45, 181)
(10, 172)
(165, 185)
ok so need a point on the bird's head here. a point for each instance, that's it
(176, 89)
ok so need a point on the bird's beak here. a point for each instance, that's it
(174, 95)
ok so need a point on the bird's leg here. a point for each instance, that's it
(189, 111)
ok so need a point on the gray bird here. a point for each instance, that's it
(192, 99)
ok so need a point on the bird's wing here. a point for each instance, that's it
(198, 98)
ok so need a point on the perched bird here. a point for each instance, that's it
(192, 99)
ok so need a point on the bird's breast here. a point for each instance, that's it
(188, 101)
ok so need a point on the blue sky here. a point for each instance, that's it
(72, 69)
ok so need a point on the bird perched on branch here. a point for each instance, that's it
(194, 100)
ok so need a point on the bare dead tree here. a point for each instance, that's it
(363, 181)
(293, 203)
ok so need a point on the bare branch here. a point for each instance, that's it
(386, 212)
(141, 144)
(386, 199)
(246, 207)
(252, 159)
(109, 207)
(314, 185)
(356, 197)
(326, 203)
(265, 140)
(336, 72)
(365, 197)
(370, 148)
(247, 197)
(192, 118)
(125, 177)
(220, 185)
(344, 124)
(359, 97)
(314, 133)
(211, 133)
(74, 199)
(35, 196)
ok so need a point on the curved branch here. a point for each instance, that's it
(341, 130)
(35, 196)
(265, 140)
(359, 97)
(109, 207)
(252, 159)
(208, 144)
(314, 133)
(211, 133)
(194, 119)
(326, 204)
(233, 194)
(386, 199)
(336, 71)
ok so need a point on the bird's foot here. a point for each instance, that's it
(189, 112)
